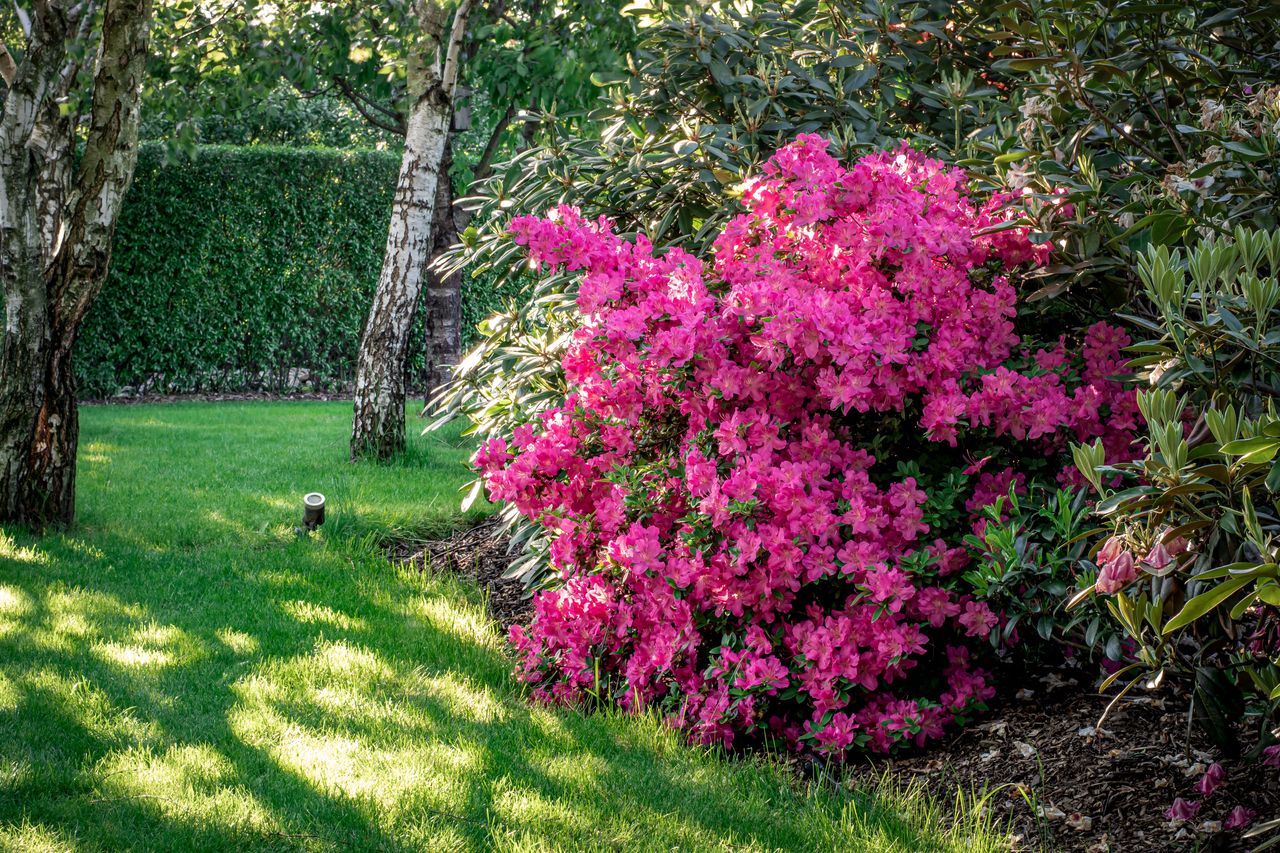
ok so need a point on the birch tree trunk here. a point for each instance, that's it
(443, 299)
(57, 218)
(378, 423)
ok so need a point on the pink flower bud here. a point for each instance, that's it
(1158, 557)
(1182, 809)
(1111, 549)
(1177, 545)
(1211, 780)
(1271, 756)
(1116, 574)
(1240, 817)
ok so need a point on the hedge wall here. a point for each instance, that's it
(243, 268)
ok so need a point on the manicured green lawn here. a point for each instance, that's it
(180, 672)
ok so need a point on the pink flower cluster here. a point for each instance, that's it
(1117, 567)
(732, 548)
(1215, 777)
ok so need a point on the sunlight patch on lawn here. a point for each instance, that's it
(133, 656)
(76, 618)
(574, 769)
(192, 782)
(10, 550)
(464, 700)
(84, 549)
(150, 646)
(310, 613)
(35, 838)
(346, 659)
(517, 806)
(465, 623)
(358, 768)
(13, 601)
(91, 708)
(8, 694)
(80, 613)
(14, 605)
(97, 452)
(237, 641)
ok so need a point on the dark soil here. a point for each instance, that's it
(479, 553)
(1059, 783)
(1070, 787)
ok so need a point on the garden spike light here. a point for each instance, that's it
(312, 511)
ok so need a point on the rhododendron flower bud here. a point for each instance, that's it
(1111, 549)
(1211, 780)
(1158, 557)
(1271, 756)
(1177, 545)
(1116, 574)
(1240, 817)
(1182, 809)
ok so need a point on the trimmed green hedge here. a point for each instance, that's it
(244, 268)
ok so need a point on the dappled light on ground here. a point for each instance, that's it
(175, 681)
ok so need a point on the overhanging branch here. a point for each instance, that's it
(449, 76)
(371, 111)
(8, 68)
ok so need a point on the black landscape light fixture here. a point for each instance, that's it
(312, 511)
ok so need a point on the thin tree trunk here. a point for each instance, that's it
(378, 426)
(443, 301)
(57, 219)
(378, 423)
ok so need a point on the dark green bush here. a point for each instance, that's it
(235, 267)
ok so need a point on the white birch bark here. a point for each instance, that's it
(57, 219)
(378, 422)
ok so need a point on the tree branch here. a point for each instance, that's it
(449, 76)
(485, 164)
(24, 20)
(8, 68)
(389, 120)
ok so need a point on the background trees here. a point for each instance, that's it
(390, 62)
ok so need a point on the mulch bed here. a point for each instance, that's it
(1062, 784)
(1073, 788)
(480, 554)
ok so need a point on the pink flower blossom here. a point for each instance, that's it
(977, 619)
(1239, 817)
(1271, 755)
(1211, 780)
(1182, 809)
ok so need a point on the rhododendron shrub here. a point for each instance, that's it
(759, 485)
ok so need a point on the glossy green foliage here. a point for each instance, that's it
(1207, 487)
(1027, 558)
(1156, 122)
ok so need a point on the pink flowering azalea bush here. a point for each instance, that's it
(759, 485)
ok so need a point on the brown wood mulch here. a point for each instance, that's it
(1069, 786)
(1058, 782)
(480, 554)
